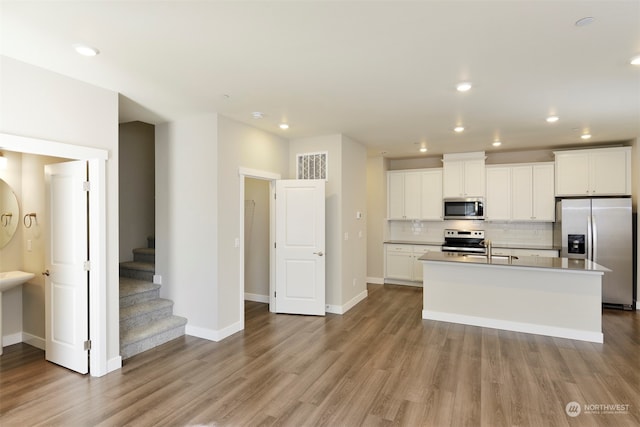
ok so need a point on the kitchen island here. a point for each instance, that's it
(557, 297)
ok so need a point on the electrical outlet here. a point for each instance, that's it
(157, 279)
(354, 282)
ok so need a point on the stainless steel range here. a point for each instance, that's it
(465, 241)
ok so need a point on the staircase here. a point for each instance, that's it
(146, 320)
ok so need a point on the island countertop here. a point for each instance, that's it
(574, 265)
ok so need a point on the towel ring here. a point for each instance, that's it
(31, 217)
(5, 219)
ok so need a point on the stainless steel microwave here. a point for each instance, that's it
(464, 208)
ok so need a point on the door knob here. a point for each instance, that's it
(318, 253)
(46, 273)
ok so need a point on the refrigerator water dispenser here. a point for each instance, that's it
(576, 244)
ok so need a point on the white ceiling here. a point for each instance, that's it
(382, 73)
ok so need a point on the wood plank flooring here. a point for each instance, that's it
(379, 364)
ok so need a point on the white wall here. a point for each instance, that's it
(187, 217)
(198, 215)
(354, 230)
(256, 237)
(41, 104)
(137, 186)
(376, 214)
(239, 146)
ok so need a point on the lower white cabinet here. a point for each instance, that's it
(401, 261)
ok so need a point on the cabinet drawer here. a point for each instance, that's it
(399, 248)
(535, 252)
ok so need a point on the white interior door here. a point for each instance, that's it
(67, 283)
(300, 246)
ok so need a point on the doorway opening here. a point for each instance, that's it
(97, 304)
(257, 234)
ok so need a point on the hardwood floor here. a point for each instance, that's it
(379, 364)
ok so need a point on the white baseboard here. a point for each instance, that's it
(213, 334)
(530, 328)
(342, 309)
(114, 364)
(256, 297)
(34, 341)
(12, 339)
(375, 280)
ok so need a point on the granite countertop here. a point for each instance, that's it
(517, 261)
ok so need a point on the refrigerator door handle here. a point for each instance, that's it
(594, 238)
(589, 251)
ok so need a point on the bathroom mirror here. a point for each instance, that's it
(9, 213)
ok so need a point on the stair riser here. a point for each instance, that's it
(140, 297)
(145, 318)
(151, 342)
(136, 274)
(141, 257)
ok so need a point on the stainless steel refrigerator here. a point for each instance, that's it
(600, 230)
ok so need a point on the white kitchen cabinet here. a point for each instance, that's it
(532, 192)
(431, 194)
(521, 192)
(498, 200)
(414, 194)
(593, 172)
(403, 195)
(464, 178)
(401, 261)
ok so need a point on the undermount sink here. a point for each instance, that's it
(11, 279)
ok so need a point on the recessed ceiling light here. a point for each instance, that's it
(458, 129)
(257, 115)
(585, 136)
(284, 126)
(635, 60)
(423, 149)
(585, 21)
(496, 143)
(552, 119)
(463, 86)
(85, 50)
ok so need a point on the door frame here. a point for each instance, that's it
(265, 176)
(96, 159)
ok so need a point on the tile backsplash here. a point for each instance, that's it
(536, 233)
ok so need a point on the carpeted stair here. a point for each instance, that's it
(146, 320)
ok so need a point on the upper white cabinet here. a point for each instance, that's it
(522, 192)
(498, 201)
(463, 175)
(431, 194)
(414, 194)
(593, 172)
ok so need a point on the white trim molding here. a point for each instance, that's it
(213, 334)
(530, 328)
(375, 280)
(342, 309)
(256, 297)
(33, 340)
